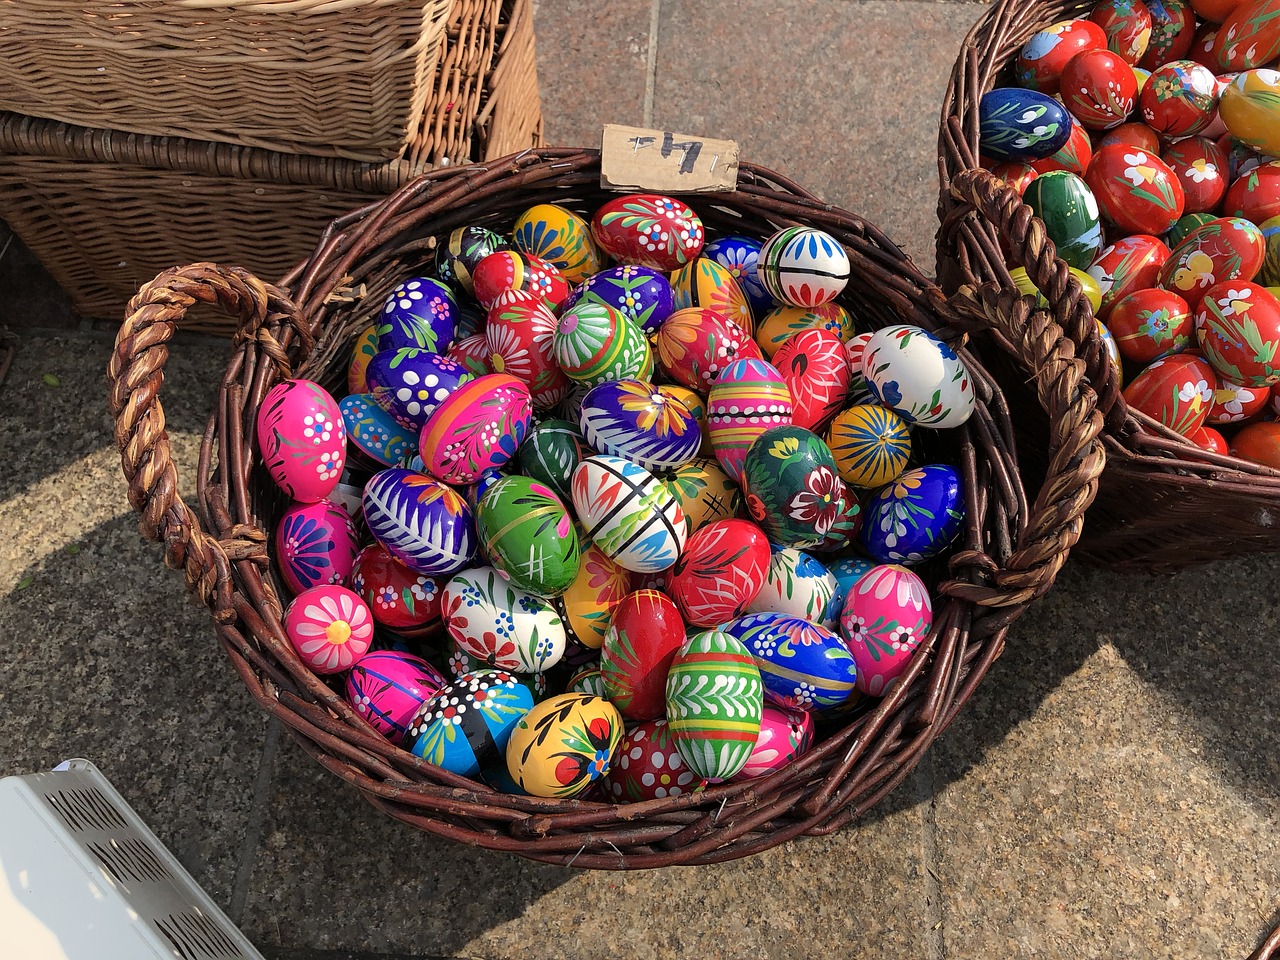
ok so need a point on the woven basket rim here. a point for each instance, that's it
(301, 328)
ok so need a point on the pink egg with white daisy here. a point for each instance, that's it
(887, 614)
(330, 627)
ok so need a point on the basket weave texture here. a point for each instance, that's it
(106, 211)
(1007, 555)
(1163, 503)
(341, 78)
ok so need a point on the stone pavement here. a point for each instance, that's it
(1111, 791)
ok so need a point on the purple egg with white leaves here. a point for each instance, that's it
(642, 293)
(420, 313)
(421, 522)
(410, 383)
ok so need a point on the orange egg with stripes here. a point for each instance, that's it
(749, 397)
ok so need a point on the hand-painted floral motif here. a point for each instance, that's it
(563, 745)
(469, 723)
(915, 517)
(500, 624)
(715, 700)
(804, 666)
(887, 615)
(329, 626)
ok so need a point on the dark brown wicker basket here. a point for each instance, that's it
(1163, 503)
(1009, 554)
(1269, 949)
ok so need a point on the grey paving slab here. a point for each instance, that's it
(334, 874)
(104, 657)
(842, 97)
(1113, 788)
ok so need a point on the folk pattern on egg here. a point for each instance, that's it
(722, 568)
(650, 230)
(469, 723)
(302, 439)
(400, 599)
(648, 766)
(795, 584)
(815, 365)
(803, 266)
(498, 623)
(1018, 124)
(560, 237)
(748, 398)
(643, 294)
(1238, 326)
(551, 452)
(871, 444)
(388, 687)
(462, 251)
(915, 517)
(410, 383)
(803, 666)
(421, 522)
(594, 343)
(329, 626)
(528, 535)
(374, 432)
(705, 283)
(315, 543)
(704, 491)
(639, 422)
(420, 313)
(739, 255)
(479, 426)
(521, 335)
(694, 345)
(887, 614)
(629, 513)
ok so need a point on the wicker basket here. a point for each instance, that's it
(340, 78)
(1163, 503)
(97, 207)
(1008, 556)
(1269, 949)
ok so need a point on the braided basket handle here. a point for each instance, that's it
(1030, 247)
(135, 374)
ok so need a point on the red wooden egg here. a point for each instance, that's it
(1015, 173)
(1180, 99)
(1074, 156)
(1135, 189)
(1201, 168)
(551, 392)
(1238, 324)
(695, 344)
(647, 766)
(1202, 46)
(1258, 442)
(1235, 403)
(400, 599)
(1250, 36)
(721, 570)
(1127, 24)
(519, 333)
(473, 353)
(815, 364)
(1229, 248)
(1133, 134)
(650, 230)
(1210, 439)
(1099, 89)
(645, 633)
(1125, 266)
(1040, 62)
(513, 270)
(1151, 323)
(1214, 11)
(1256, 195)
(1176, 392)
(1173, 30)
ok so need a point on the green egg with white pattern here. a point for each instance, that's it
(528, 535)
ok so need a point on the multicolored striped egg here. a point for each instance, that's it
(804, 666)
(508, 270)
(650, 230)
(410, 383)
(642, 294)
(399, 598)
(315, 543)
(648, 766)
(785, 735)
(645, 633)
(594, 342)
(302, 439)
(694, 345)
(871, 444)
(528, 536)
(715, 700)
(723, 567)
(739, 256)
(630, 514)
(420, 521)
(551, 452)
(915, 517)
(639, 422)
(420, 313)
(587, 606)
(780, 324)
(560, 237)
(705, 283)
(479, 426)
(387, 687)
(496, 622)
(704, 491)
(748, 397)
(815, 365)
(795, 584)
(459, 255)
(373, 431)
(887, 614)
(329, 626)
(803, 266)
(469, 723)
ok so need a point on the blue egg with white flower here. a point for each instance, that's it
(373, 431)
(915, 517)
(643, 294)
(1018, 124)
(804, 666)
(740, 255)
(420, 313)
(410, 383)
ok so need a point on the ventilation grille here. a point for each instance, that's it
(195, 936)
(130, 859)
(86, 809)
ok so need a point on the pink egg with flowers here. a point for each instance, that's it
(386, 687)
(315, 543)
(302, 439)
(887, 614)
(784, 736)
(330, 627)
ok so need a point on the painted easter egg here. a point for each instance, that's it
(1016, 124)
(1018, 173)
(705, 283)
(420, 313)
(1200, 165)
(1176, 391)
(400, 599)
(642, 294)
(886, 616)
(1250, 107)
(714, 703)
(1256, 195)
(1064, 202)
(644, 634)
(694, 345)
(315, 543)
(791, 486)
(1185, 225)
(387, 687)
(1228, 248)
(1269, 272)
(1180, 99)
(551, 452)
(479, 426)
(915, 517)
(473, 354)
(587, 606)
(785, 735)
(1250, 36)
(721, 570)
(1125, 266)
(1099, 89)
(1135, 189)
(421, 522)
(1088, 286)
(520, 332)
(459, 255)
(1234, 402)
(586, 680)
(848, 522)
(847, 571)
(704, 491)
(803, 266)
(695, 403)
(919, 376)
(1074, 156)
(564, 745)
(498, 623)
(362, 352)
(1127, 24)
(528, 536)
(1259, 443)
(795, 584)
(1238, 326)
(815, 366)
(373, 431)
(560, 237)
(650, 230)
(648, 766)
(329, 626)
(469, 723)
(302, 439)
(594, 343)
(747, 398)
(739, 255)
(1173, 29)
(804, 666)
(410, 384)
(1150, 324)
(1042, 57)
(639, 422)
(508, 270)
(871, 445)
(779, 325)
(630, 514)
(1207, 438)
(1133, 134)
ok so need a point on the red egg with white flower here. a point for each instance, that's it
(1150, 324)
(1176, 391)
(1099, 89)
(1228, 248)
(400, 598)
(1135, 189)
(1201, 167)
(1235, 403)
(1180, 99)
(1238, 325)
(1127, 24)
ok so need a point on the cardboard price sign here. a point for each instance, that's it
(659, 161)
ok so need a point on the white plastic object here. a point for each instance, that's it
(83, 878)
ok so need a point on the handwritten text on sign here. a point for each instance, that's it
(660, 161)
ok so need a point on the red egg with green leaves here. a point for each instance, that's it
(1074, 156)
(1176, 391)
(1256, 195)
(1238, 324)
(1125, 266)
(645, 633)
(400, 599)
(1099, 89)
(1150, 324)
(1016, 173)
(723, 566)
(1173, 30)
(1127, 24)
(1179, 99)
(519, 332)
(1043, 57)
(1250, 36)
(1228, 248)
(1201, 167)
(696, 344)
(1135, 189)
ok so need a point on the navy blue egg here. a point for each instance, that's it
(804, 666)
(458, 255)
(639, 422)
(423, 523)
(409, 384)
(739, 256)
(420, 313)
(1017, 124)
(643, 294)
(915, 517)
